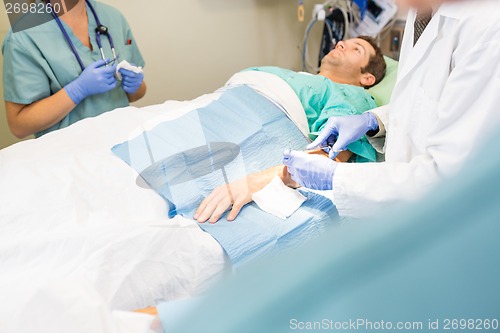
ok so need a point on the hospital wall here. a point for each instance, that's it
(192, 47)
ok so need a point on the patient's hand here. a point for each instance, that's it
(237, 194)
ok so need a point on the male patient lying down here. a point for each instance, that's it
(338, 90)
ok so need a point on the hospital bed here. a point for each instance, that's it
(77, 232)
(425, 266)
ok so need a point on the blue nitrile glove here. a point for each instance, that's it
(344, 130)
(131, 82)
(95, 79)
(311, 171)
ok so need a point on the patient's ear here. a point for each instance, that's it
(367, 80)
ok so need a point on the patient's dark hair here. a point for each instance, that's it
(376, 66)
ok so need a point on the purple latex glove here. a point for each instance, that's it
(95, 79)
(311, 171)
(131, 82)
(339, 132)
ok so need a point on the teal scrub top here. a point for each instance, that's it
(38, 62)
(322, 98)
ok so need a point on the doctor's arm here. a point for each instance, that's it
(466, 113)
(377, 140)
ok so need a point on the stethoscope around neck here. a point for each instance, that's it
(101, 30)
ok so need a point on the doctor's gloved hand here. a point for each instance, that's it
(339, 132)
(131, 82)
(95, 79)
(311, 171)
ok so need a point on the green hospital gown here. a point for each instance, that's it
(38, 62)
(322, 98)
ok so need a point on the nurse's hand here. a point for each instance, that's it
(95, 79)
(131, 82)
(311, 171)
(339, 132)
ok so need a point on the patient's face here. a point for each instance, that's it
(348, 58)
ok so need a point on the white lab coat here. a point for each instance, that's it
(446, 100)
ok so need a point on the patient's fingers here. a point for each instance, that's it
(207, 206)
(202, 207)
(217, 203)
(220, 210)
(211, 203)
(237, 206)
(208, 211)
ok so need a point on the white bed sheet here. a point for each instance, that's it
(70, 210)
(73, 218)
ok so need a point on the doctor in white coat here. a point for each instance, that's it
(446, 100)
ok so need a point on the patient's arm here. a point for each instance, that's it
(150, 311)
(239, 193)
(342, 157)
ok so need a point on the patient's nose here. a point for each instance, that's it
(340, 45)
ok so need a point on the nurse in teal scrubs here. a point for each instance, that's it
(45, 87)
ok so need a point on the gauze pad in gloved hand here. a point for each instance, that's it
(126, 65)
(278, 199)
